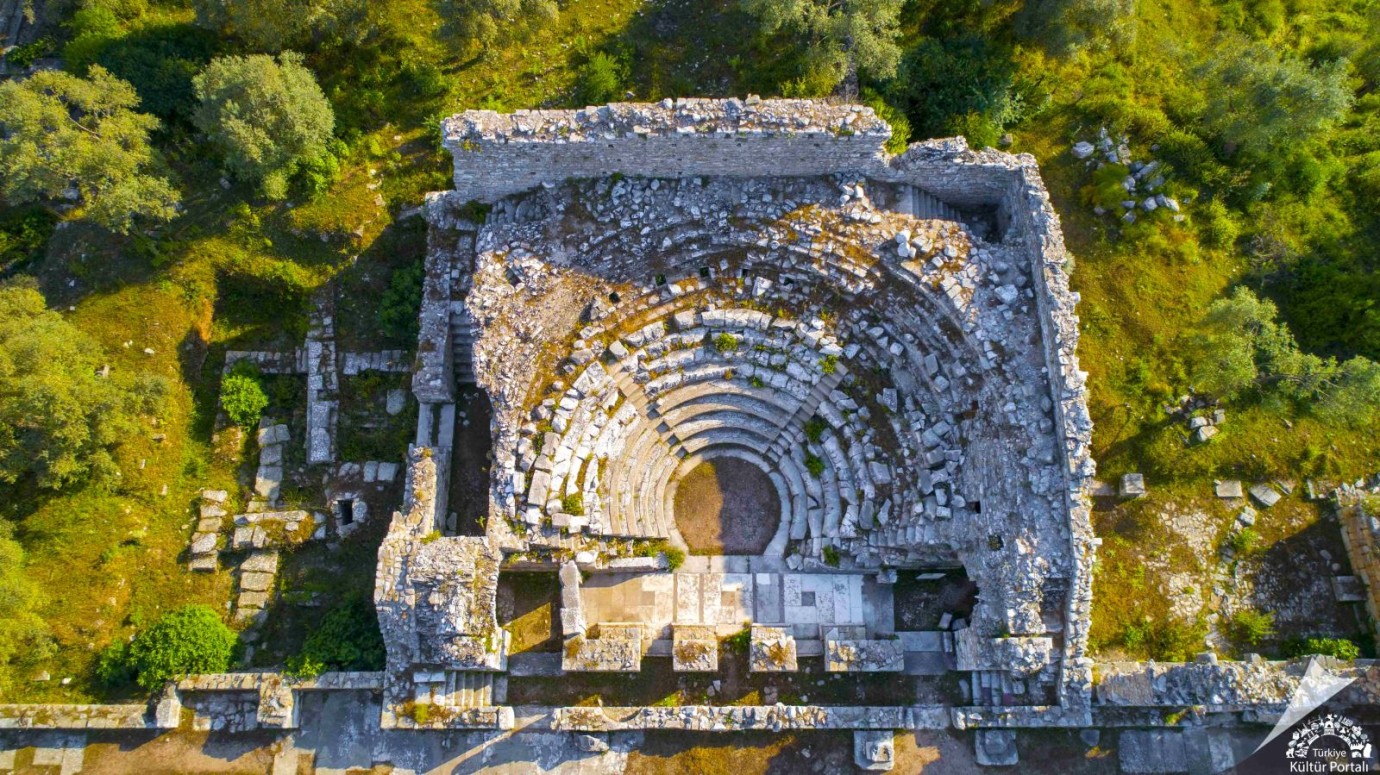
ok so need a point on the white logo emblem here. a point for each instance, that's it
(1331, 743)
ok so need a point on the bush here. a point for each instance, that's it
(814, 465)
(600, 79)
(814, 429)
(574, 504)
(1250, 626)
(397, 310)
(1341, 648)
(1244, 542)
(725, 343)
(189, 640)
(347, 638)
(831, 556)
(829, 364)
(243, 397)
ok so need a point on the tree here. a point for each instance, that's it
(482, 22)
(963, 85)
(23, 633)
(267, 116)
(838, 35)
(1066, 26)
(1261, 100)
(60, 417)
(1242, 346)
(59, 132)
(275, 25)
(189, 640)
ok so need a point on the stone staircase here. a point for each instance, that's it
(462, 345)
(474, 689)
(923, 204)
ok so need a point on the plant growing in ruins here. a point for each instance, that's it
(574, 504)
(831, 556)
(189, 640)
(814, 465)
(1250, 626)
(347, 639)
(829, 364)
(725, 342)
(1244, 542)
(242, 395)
(1341, 648)
(814, 429)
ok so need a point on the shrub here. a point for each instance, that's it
(829, 364)
(674, 557)
(814, 429)
(243, 397)
(814, 465)
(1250, 626)
(831, 556)
(725, 343)
(1341, 648)
(24, 234)
(346, 639)
(1244, 542)
(574, 504)
(191, 639)
(600, 79)
(397, 311)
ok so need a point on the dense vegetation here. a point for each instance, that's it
(202, 166)
(189, 640)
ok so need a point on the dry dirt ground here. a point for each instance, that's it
(727, 506)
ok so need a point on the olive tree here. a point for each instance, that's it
(837, 34)
(61, 414)
(267, 116)
(62, 135)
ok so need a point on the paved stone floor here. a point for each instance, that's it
(727, 592)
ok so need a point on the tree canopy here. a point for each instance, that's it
(60, 419)
(482, 22)
(275, 25)
(837, 35)
(1261, 100)
(60, 133)
(268, 116)
(1244, 348)
(1065, 26)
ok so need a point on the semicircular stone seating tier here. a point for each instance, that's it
(852, 413)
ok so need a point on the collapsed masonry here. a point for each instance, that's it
(891, 340)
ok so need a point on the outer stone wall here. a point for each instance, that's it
(501, 154)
